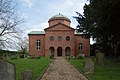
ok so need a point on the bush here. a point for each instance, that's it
(38, 57)
(14, 57)
(79, 57)
(22, 56)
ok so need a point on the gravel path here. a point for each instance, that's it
(61, 69)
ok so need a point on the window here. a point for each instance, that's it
(68, 38)
(38, 44)
(80, 46)
(59, 38)
(51, 38)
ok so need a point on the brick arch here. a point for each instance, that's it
(67, 51)
(59, 51)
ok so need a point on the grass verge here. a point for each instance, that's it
(110, 71)
(36, 65)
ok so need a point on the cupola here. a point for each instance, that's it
(59, 18)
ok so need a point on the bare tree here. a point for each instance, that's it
(9, 22)
(23, 45)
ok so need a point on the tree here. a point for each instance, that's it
(101, 21)
(23, 45)
(9, 22)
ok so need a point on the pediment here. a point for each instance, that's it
(59, 26)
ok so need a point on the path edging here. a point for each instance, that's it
(78, 69)
(45, 70)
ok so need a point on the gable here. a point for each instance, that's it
(59, 26)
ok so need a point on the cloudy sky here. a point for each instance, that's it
(38, 12)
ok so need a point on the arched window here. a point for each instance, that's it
(67, 51)
(80, 46)
(38, 43)
(51, 38)
(51, 51)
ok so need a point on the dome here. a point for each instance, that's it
(59, 16)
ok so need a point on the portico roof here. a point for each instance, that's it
(59, 23)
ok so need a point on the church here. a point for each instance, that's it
(59, 39)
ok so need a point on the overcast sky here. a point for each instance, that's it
(38, 12)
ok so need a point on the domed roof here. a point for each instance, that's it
(59, 16)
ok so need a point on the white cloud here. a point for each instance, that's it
(24, 15)
(92, 41)
(28, 2)
(38, 27)
(65, 7)
(68, 8)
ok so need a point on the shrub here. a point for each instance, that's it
(79, 57)
(38, 57)
(14, 57)
(22, 56)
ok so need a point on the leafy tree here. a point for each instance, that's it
(101, 21)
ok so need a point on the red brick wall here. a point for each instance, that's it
(56, 43)
(86, 45)
(55, 21)
(58, 30)
(32, 45)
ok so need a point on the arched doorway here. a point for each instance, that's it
(67, 51)
(59, 51)
(51, 51)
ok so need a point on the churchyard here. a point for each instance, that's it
(109, 71)
(35, 66)
(94, 68)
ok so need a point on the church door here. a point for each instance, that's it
(59, 51)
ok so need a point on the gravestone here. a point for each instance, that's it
(80, 56)
(27, 75)
(89, 66)
(100, 58)
(7, 71)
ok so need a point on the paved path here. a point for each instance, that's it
(61, 69)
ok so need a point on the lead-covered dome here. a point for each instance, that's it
(59, 18)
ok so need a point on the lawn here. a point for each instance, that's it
(36, 65)
(110, 71)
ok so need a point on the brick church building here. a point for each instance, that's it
(59, 39)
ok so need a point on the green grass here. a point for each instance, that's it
(78, 63)
(36, 65)
(110, 71)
